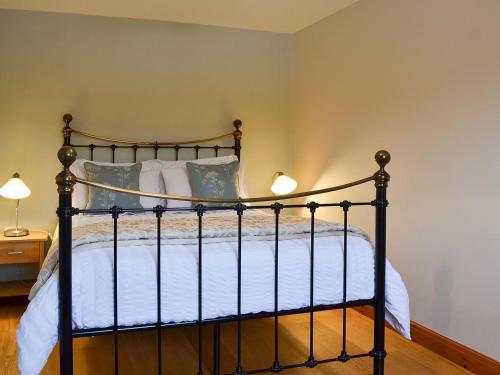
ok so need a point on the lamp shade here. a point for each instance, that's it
(283, 184)
(15, 188)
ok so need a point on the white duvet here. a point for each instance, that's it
(37, 332)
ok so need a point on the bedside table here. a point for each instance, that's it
(21, 250)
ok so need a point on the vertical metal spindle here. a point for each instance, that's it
(159, 213)
(156, 148)
(115, 212)
(200, 210)
(216, 364)
(135, 147)
(216, 148)
(239, 369)
(311, 362)
(113, 150)
(92, 147)
(177, 147)
(277, 207)
(197, 151)
(237, 138)
(343, 354)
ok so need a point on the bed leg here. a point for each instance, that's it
(65, 182)
(216, 369)
(381, 178)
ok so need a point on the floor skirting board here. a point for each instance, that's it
(463, 356)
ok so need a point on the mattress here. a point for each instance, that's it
(137, 296)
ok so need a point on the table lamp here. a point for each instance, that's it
(283, 184)
(15, 188)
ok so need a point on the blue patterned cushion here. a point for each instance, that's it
(123, 177)
(214, 181)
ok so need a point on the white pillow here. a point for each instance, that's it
(176, 182)
(149, 181)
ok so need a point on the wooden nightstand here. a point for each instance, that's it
(20, 250)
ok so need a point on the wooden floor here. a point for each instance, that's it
(137, 350)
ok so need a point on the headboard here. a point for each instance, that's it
(113, 144)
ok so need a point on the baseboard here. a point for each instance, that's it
(463, 356)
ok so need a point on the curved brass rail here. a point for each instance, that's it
(68, 130)
(229, 201)
(142, 143)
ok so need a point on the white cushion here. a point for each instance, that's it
(176, 182)
(150, 181)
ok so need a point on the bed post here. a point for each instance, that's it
(65, 182)
(237, 138)
(381, 178)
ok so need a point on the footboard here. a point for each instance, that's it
(274, 204)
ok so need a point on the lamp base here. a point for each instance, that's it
(16, 232)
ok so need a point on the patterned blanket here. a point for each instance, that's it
(183, 229)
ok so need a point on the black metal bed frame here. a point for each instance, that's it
(66, 181)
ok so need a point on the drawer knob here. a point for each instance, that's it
(15, 252)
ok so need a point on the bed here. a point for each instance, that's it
(202, 261)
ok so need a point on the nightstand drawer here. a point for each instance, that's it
(21, 252)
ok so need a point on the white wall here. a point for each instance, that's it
(421, 79)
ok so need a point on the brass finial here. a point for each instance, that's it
(382, 158)
(237, 125)
(67, 118)
(66, 180)
(66, 155)
(381, 177)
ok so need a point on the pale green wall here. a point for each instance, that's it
(134, 78)
(137, 79)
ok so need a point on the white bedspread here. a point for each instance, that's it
(93, 292)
